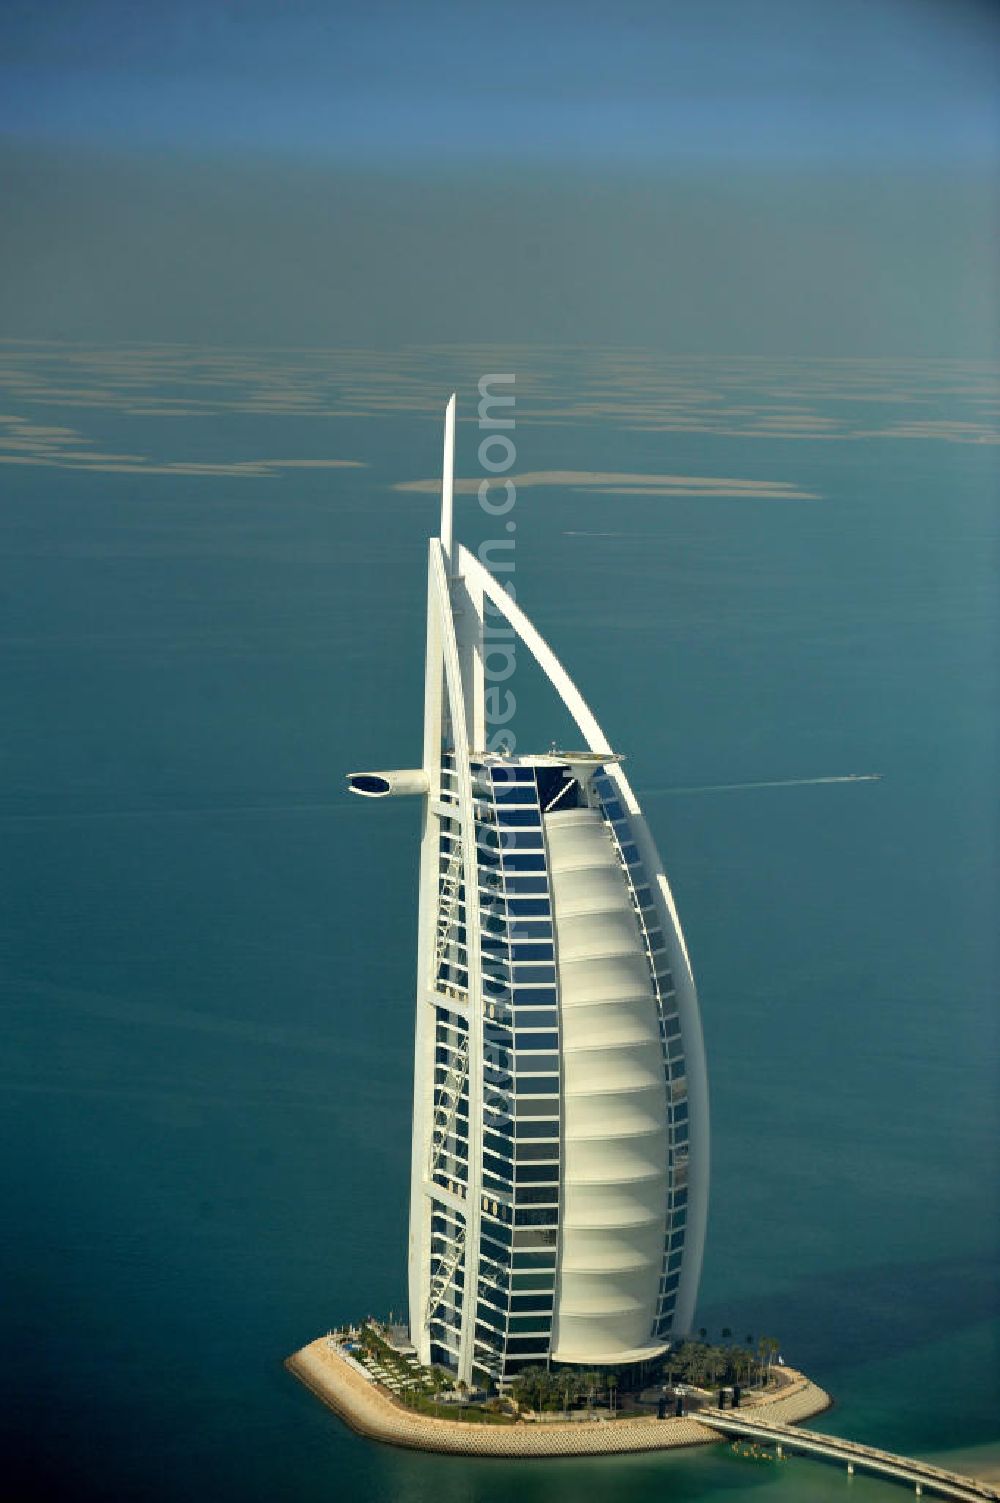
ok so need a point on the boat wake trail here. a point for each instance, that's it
(843, 777)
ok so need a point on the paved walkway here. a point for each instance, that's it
(370, 1410)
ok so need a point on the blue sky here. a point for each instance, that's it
(744, 80)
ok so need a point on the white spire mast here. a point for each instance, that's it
(448, 478)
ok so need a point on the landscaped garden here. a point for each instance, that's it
(555, 1390)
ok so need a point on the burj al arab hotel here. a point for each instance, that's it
(559, 1182)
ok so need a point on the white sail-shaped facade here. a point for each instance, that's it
(559, 1182)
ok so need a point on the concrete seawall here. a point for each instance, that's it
(370, 1410)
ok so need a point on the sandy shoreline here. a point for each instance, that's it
(371, 1411)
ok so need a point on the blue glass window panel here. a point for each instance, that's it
(542, 1017)
(535, 996)
(630, 853)
(498, 1111)
(536, 1127)
(514, 841)
(526, 1041)
(523, 973)
(534, 1263)
(531, 1067)
(502, 1169)
(527, 886)
(530, 928)
(522, 861)
(511, 818)
(498, 1255)
(515, 774)
(493, 1250)
(536, 1153)
(535, 950)
(494, 1122)
(491, 1303)
(538, 1323)
(490, 1317)
(536, 1174)
(536, 1085)
(529, 907)
(526, 1303)
(536, 1216)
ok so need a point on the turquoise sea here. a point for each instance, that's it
(208, 950)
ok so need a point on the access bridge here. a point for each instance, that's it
(920, 1475)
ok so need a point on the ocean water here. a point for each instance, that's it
(208, 949)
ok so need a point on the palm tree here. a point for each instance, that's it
(568, 1385)
(437, 1383)
(529, 1387)
(519, 1390)
(767, 1348)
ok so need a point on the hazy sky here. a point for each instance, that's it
(736, 175)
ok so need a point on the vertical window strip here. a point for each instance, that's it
(503, 930)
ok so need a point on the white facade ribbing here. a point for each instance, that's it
(559, 1173)
(614, 1178)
